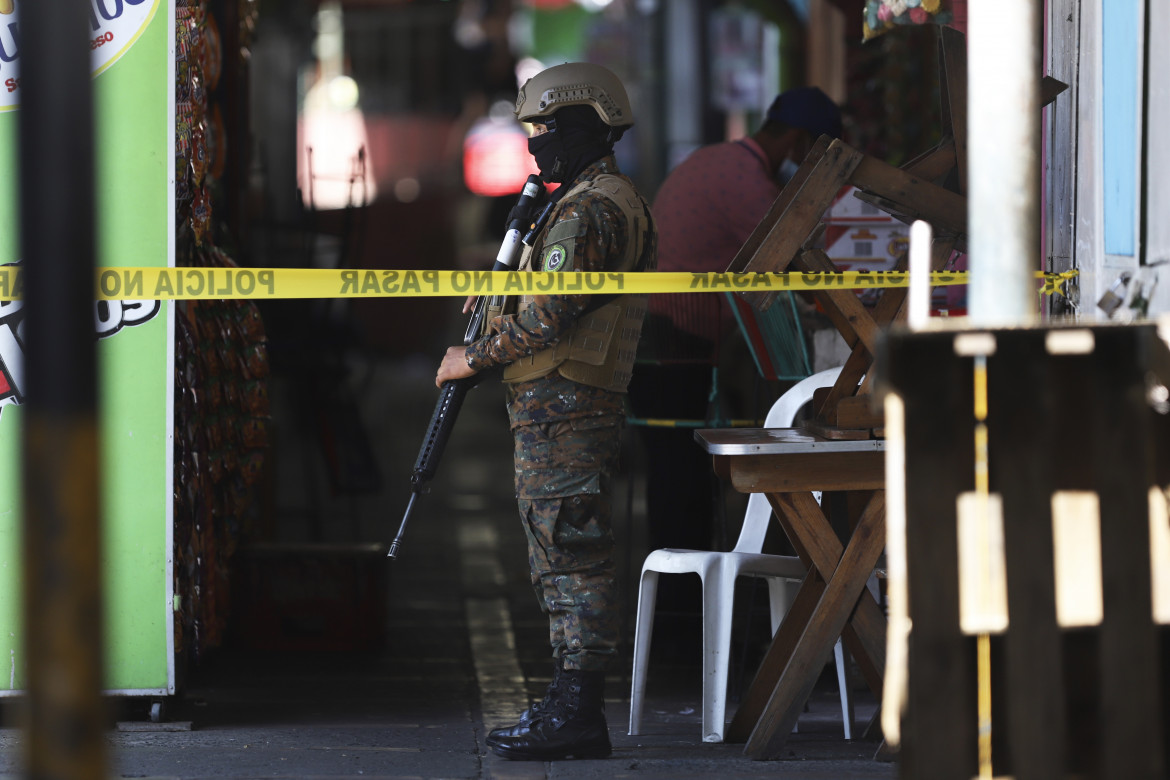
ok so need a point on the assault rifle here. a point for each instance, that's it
(522, 228)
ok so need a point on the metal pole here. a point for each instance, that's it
(62, 583)
(1004, 70)
(684, 76)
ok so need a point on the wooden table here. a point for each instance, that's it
(787, 465)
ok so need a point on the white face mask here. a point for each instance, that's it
(786, 171)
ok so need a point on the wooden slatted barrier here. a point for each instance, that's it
(1077, 439)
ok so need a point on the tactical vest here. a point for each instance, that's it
(599, 348)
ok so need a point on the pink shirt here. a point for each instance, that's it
(705, 210)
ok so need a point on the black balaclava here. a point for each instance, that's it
(577, 137)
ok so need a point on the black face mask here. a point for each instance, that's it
(576, 137)
(549, 154)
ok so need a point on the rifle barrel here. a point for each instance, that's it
(396, 545)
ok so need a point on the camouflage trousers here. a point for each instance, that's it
(564, 473)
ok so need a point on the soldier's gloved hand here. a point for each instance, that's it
(526, 215)
(517, 214)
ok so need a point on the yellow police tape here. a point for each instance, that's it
(259, 283)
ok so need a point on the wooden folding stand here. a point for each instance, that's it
(784, 241)
(932, 187)
(833, 600)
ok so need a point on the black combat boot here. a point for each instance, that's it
(573, 725)
(536, 709)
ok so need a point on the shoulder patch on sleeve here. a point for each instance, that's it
(559, 245)
(557, 257)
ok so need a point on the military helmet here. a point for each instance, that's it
(575, 84)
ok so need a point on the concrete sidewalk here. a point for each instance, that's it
(466, 643)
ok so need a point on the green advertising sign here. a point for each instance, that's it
(132, 46)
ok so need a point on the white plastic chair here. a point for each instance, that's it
(718, 572)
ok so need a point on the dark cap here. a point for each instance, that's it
(808, 109)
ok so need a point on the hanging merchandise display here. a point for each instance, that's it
(884, 15)
(221, 413)
(221, 361)
(893, 94)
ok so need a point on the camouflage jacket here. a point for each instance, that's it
(602, 234)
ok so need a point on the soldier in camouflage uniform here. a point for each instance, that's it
(567, 361)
